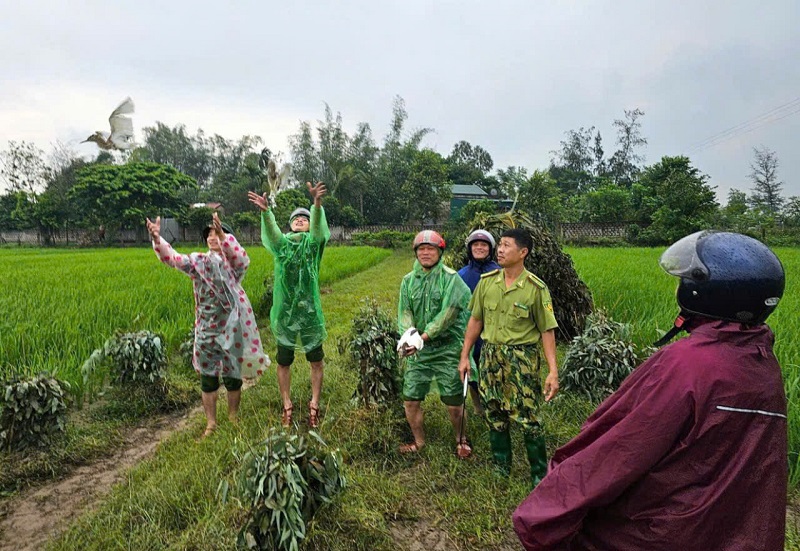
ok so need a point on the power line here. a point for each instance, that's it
(769, 117)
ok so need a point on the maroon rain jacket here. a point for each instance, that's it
(689, 454)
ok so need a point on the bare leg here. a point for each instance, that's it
(455, 420)
(415, 419)
(210, 408)
(316, 381)
(234, 397)
(284, 384)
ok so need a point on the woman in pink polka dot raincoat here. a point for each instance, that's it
(226, 338)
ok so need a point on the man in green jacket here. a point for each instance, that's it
(432, 316)
(296, 317)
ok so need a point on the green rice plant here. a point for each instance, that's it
(284, 481)
(64, 302)
(32, 411)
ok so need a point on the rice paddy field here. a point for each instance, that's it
(58, 305)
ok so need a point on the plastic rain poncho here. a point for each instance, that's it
(435, 302)
(296, 317)
(226, 338)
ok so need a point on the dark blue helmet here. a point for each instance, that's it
(726, 276)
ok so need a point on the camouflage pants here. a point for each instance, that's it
(510, 387)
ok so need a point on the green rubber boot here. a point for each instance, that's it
(501, 450)
(537, 457)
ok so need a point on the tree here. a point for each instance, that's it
(472, 208)
(288, 200)
(540, 199)
(791, 211)
(511, 180)
(306, 163)
(766, 186)
(572, 166)
(673, 199)
(427, 186)
(624, 163)
(118, 196)
(608, 204)
(174, 147)
(24, 168)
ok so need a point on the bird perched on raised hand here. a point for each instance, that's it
(121, 136)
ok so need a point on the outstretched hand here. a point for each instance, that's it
(217, 225)
(258, 200)
(154, 228)
(316, 191)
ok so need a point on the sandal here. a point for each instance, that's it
(313, 415)
(463, 449)
(411, 447)
(286, 418)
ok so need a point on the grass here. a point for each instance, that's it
(59, 305)
(170, 502)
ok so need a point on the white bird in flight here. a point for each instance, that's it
(276, 180)
(121, 136)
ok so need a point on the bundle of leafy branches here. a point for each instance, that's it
(372, 352)
(32, 410)
(186, 349)
(598, 360)
(572, 300)
(285, 480)
(135, 359)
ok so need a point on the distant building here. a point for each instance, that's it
(463, 194)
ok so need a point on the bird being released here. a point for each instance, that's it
(277, 181)
(121, 136)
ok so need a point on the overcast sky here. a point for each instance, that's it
(509, 76)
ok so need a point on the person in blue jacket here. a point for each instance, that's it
(480, 251)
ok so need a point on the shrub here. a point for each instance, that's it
(572, 300)
(599, 359)
(32, 411)
(372, 352)
(285, 481)
(186, 350)
(134, 358)
(388, 239)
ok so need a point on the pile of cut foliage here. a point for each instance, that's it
(572, 300)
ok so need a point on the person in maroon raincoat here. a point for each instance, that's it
(691, 452)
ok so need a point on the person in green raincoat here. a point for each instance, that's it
(432, 316)
(296, 317)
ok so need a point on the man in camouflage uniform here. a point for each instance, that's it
(512, 312)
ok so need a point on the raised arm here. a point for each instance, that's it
(237, 257)
(318, 225)
(164, 250)
(271, 236)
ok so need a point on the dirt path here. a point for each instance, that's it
(424, 535)
(39, 514)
